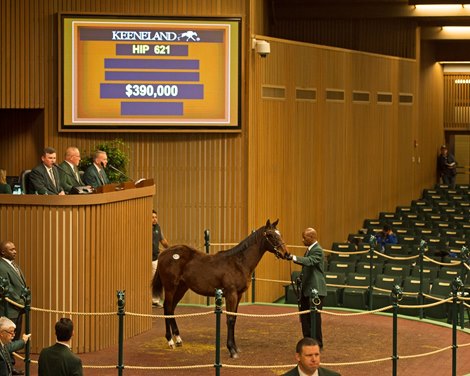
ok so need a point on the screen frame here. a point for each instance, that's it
(184, 127)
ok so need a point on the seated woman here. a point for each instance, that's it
(4, 187)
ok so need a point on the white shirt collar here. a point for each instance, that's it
(63, 343)
(301, 373)
(71, 165)
(7, 260)
(312, 245)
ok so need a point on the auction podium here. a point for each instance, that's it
(76, 252)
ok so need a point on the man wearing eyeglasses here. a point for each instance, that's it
(16, 284)
(68, 172)
(7, 346)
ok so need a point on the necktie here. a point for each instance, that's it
(51, 174)
(102, 176)
(77, 175)
(6, 358)
(17, 270)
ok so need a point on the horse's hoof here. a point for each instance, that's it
(234, 355)
(179, 341)
(171, 343)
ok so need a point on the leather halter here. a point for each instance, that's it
(275, 246)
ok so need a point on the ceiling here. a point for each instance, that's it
(451, 45)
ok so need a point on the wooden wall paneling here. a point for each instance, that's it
(431, 122)
(368, 174)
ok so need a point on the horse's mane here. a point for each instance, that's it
(245, 243)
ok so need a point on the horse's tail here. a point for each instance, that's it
(157, 287)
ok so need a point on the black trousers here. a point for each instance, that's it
(305, 320)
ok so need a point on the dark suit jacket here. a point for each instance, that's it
(5, 188)
(10, 347)
(17, 283)
(59, 360)
(68, 177)
(42, 183)
(321, 372)
(93, 178)
(313, 275)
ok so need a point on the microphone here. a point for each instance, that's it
(64, 170)
(118, 171)
(79, 189)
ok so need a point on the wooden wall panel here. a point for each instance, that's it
(76, 252)
(336, 161)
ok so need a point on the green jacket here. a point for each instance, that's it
(313, 275)
(68, 177)
(16, 284)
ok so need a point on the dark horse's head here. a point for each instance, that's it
(273, 241)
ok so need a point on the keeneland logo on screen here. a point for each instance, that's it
(169, 36)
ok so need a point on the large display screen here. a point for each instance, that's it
(146, 74)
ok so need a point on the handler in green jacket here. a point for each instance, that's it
(313, 277)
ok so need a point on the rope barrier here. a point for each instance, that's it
(396, 257)
(268, 316)
(453, 263)
(71, 313)
(21, 306)
(196, 366)
(271, 280)
(170, 316)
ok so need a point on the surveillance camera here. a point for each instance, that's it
(263, 48)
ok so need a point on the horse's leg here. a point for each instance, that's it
(177, 296)
(231, 302)
(168, 309)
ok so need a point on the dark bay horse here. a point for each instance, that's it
(181, 268)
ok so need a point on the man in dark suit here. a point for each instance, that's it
(16, 283)
(44, 178)
(7, 346)
(312, 277)
(58, 359)
(95, 175)
(307, 354)
(69, 173)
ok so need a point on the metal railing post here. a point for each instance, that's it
(456, 286)
(396, 296)
(26, 296)
(422, 248)
(314, 302)
(4, 290)
(253, 287)
(121, 313)
(207, 245)
(373, 244)
(218, 313)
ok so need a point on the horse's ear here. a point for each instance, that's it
(275, 223)
(268, 223)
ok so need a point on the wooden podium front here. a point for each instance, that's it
(76, 252)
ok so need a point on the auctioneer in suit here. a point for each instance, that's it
(94, 177)
(42, 183)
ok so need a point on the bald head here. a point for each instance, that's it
(309, 236)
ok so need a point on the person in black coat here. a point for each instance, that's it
(58, 359)
(307, 354)
(7, 346)
(446, 165)
(12, 273)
